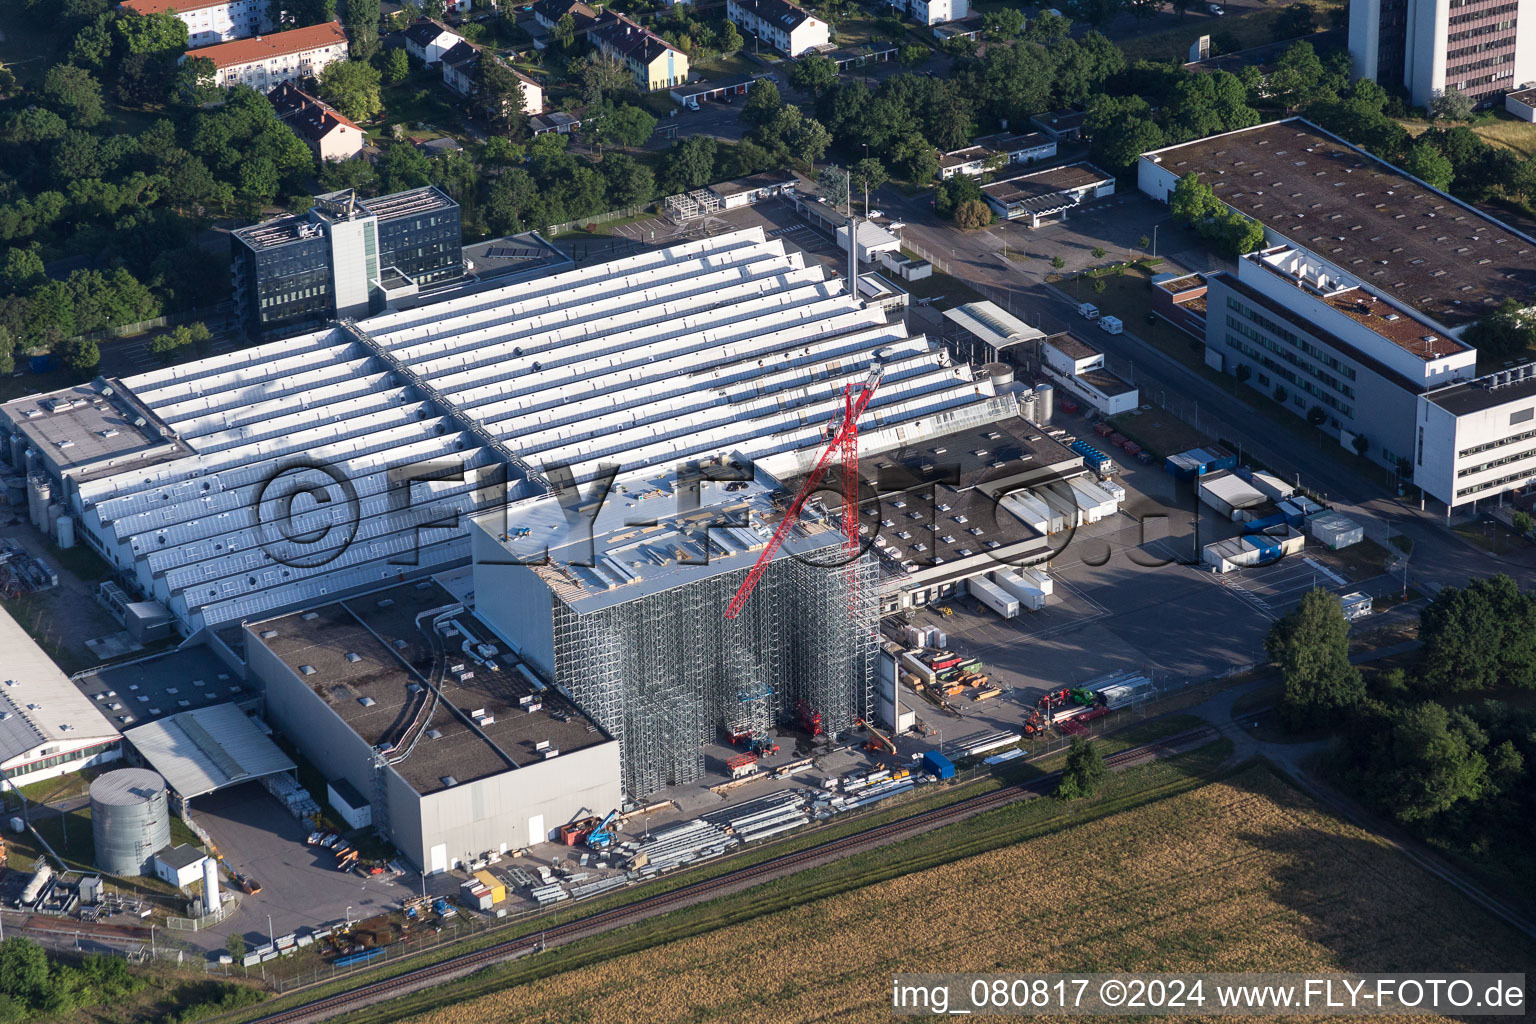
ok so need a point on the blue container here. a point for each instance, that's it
(937, 764)
(1261, 525)
(1268, 549)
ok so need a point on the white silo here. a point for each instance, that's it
(210, 885)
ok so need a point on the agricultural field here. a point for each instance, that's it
(1244, 874)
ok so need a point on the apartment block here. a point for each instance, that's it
(789, 29)
(265, 62)
(1483, 48)
(211, 21)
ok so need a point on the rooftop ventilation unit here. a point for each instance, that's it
(354, 657)
(268, 634)
(449, 780)
(310, 616)
(307, 670)
(367, 702)
(434, 734)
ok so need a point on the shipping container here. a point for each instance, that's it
(936, 764)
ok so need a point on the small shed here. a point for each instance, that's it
(1356, 605)
(1271, 486)
(179, 865)
(349, 803)
(1335, 530)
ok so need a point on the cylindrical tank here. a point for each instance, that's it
(18, 450)
(1001, 374)
(1045, 403)
(130, 819)
(66, 532)
(16, 493)
(210, 885)
(1027, 404)
(51, 523)
(40, 494)
(35, 885)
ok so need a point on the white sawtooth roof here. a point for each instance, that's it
(724, 344)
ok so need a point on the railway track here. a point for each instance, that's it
(513, 949)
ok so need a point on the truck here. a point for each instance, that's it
(1088, 311)
(1111, 325)
(994, 597)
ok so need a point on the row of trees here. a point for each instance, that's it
(1459, 773)
(1195, 204)
(34, 985)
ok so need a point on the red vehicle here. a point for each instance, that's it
(1067, 405)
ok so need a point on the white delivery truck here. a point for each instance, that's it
(1111, 325)
(1088, 311)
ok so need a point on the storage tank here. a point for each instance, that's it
(1001, 374)
(40, 493)
(210, 885)
(35, 885)
(51, 523)
(66, 532)
(1027, 405)
(16, 492)
(130, 819)
(1045, 403)
(18, 452)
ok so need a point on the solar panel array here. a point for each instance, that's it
(727, 344)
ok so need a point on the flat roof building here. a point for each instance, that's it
(1477, 438)
(1445, 259)
(457, 746)
(1047, 195)
(348, 256)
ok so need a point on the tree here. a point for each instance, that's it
(1243, 372)
(1057, 263)
(1522, 522)
(913, 54)
(690, 163)
(1310, 644)
(1506, 333)
(394, 65)
(1317, 416)
(159, 35)
(1434, 762)
(1144, 243)
(728, 40)
(601, 77)
(23, 971)
(1480, 636)
(1429, 165)
(81, 355)
(234, 945)
(74, 94)
(1083, 773)
(1098, 252)
(362, 24)
(1049, 29)
(763, 102)
(1003, 24)
(352, 86)
(565, 32)
(193, 84)
(816, 73)
(1450, 104)
(402, 166)
(1295, 20)
(973, 214)
(629, 181)
(499, 96)
(299, 13)
(833, 182)
(869, 174)
(167, 344)
(23, 268)
(629, 125)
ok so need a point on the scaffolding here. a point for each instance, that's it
(691, 205)
(664, 672)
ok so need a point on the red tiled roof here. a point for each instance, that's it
(148, 7)
(278, 44)
(310, 117)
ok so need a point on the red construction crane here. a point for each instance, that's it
(845, 440)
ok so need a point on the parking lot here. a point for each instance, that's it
(300, 886)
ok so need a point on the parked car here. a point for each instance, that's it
(1215, 9)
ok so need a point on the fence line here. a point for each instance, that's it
(597, 218)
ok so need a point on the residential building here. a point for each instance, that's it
(211, 21)
(549, 12)
(1445, 259)
(1483, 48)
(344, 258)
(427, 41)
(329, 134)
(1047, 195)
(48, 727)
(655, 63)
(1330, 348)
(788, 29)
(265, 62)
(933, 12)
(461, 65)
(1477, 439)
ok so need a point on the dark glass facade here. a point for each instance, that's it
(426, 247)
(283, 285)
